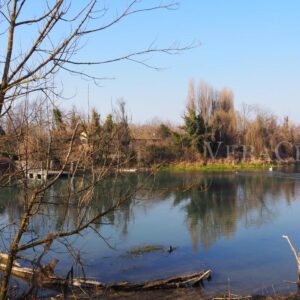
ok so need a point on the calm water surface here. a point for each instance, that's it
(231, 223)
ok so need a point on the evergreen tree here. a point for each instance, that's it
(194, 126)
(95, 127)
(58, 120)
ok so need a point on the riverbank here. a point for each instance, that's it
(218, 166)
(181, 294)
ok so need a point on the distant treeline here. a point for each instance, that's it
(212, 128)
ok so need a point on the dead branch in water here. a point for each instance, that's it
(296, 254)
(46, 278)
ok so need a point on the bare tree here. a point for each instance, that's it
(35, 52)
(30, 68)
(207, 101)
(77, 159)
(191, 97)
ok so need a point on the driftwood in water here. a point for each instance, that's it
(46, 278)
(169, 283)
(18, 271)
(52, 281)
(297, 256)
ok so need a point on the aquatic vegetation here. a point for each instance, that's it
(140, 250)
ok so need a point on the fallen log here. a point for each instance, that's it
(55, 282)
(182, 281)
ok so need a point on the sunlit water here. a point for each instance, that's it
(231, 223)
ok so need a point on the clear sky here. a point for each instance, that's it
(252, 47)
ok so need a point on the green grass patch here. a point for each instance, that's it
(217, 167)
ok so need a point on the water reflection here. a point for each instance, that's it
(213, 204)
(204, 208)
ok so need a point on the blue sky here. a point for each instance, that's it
(252, 47)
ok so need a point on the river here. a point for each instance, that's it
(230, 222)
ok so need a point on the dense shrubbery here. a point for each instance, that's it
(210, 120)
(160, 155)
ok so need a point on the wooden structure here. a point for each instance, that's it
(40, 174)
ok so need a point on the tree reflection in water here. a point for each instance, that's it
(213, 203)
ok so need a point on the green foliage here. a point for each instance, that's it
(212, 119)
(164, 131)
(57, 118)
(217, 167)
(180, 140)
(123, 131)
(160, 154)
(95, 127)
(109, 124)
(195, 129)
